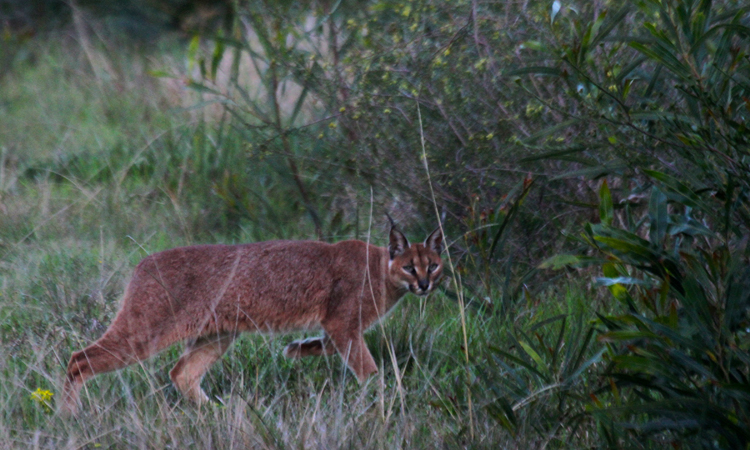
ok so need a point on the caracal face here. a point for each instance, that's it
(206, 295)
(418, 267)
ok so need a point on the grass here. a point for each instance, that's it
(98, 174)
(60, 295)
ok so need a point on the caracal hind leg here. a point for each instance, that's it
(351, 346)
(200, 354)
(109, 353)
(317, 346)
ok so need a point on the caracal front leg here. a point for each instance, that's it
(200, 354)
(317, 346)
(351, 346)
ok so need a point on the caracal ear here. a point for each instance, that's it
(398, 243)
(435, 241)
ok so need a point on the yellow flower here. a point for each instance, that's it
(43, 397)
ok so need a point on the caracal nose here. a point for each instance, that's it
(423, 284)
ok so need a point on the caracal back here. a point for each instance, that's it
(207, 295)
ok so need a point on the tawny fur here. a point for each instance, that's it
(206, 295)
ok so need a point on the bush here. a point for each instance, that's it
(675, 122)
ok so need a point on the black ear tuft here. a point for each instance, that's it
(435, 241)
(398, 243)
(390, 219)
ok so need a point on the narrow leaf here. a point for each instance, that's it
(606, 209)
(657, 212)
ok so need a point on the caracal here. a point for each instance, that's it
(206, 295)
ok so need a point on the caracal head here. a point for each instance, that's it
(416, 267)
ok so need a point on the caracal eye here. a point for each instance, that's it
(432, 267)
(409, 268)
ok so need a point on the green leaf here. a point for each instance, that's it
(606, 209)
(679, 191)
(691, 228)
(607, 281)
(611, 272)
(664, 54)
(160, 74)
(610, 25)
(535, 70)
(541, 364)
(557, 262)
(551, 130)
(502, 412)
(586, 364)
(634, 252)
(193, 52)
(533, 45)
(627, 335)
(519, 361)
(558, 154)
(611, 167)
(657, 212)
(737, 28)
(507, 219)
(200, 87)
(218, 54)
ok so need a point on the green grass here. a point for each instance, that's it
(59, 294)
(96, 177)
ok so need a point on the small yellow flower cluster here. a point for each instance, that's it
(43, 397)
